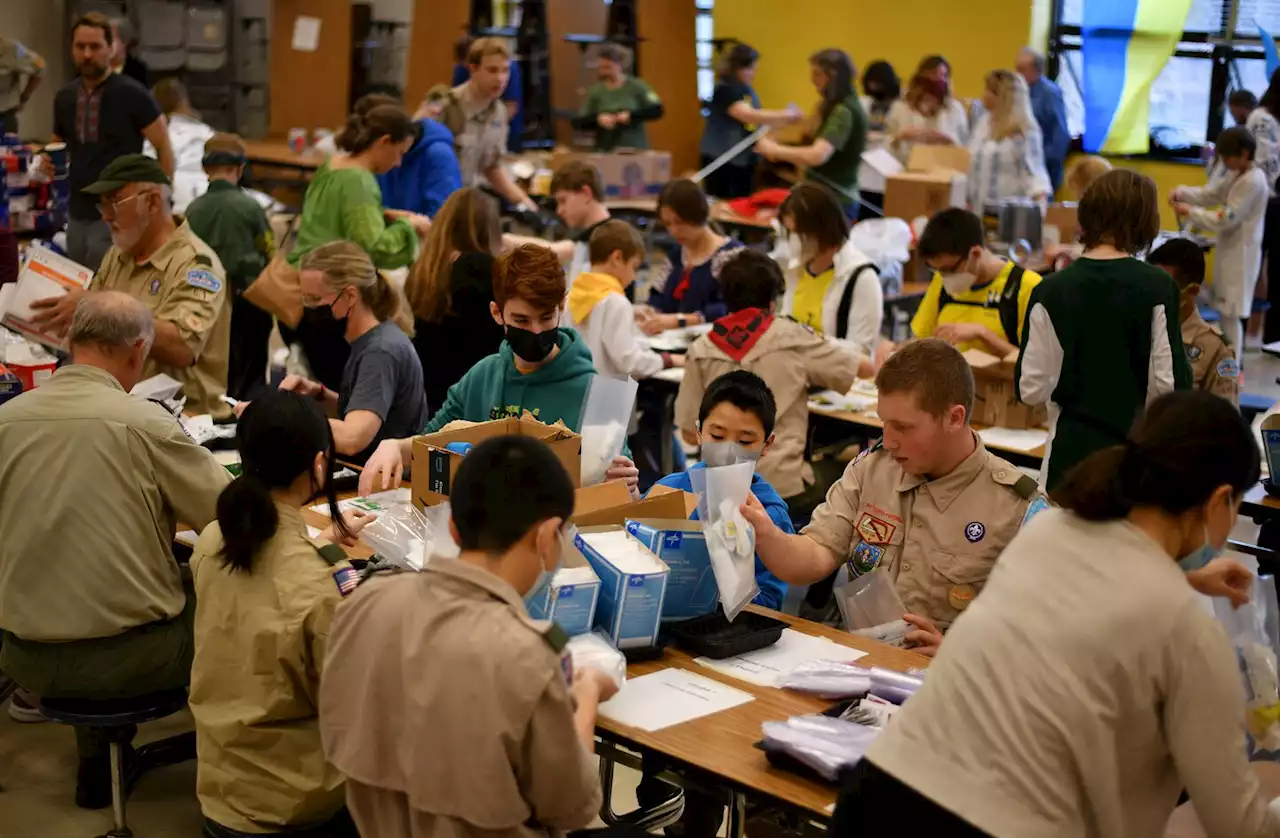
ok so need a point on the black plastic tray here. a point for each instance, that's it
(713, 636)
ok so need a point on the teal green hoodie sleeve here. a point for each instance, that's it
(451, 409)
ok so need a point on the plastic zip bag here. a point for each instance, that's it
(871, 607)
(829, 679)
(402, 536)
(1253, 628)
(828, 746)
(731, 542)
(606, 413)
(594, 651)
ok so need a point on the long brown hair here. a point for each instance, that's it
(467, 223)
(841, 75)
(344, 264)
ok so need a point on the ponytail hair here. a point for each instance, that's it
(345, 264)
(364, 129)
(1180, 451)
(278, 438)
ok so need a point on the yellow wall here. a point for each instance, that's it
(1167, 176)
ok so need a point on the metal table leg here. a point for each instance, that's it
(737, 815)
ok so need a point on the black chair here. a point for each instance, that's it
(340, 826)
(117, 720)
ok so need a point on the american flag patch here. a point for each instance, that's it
(346, 579)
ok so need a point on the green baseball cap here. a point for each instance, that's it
(131, 168)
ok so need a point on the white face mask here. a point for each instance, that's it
(801, 248)
(958, 282)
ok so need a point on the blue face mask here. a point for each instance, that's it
(545, 576)
(1200, 556)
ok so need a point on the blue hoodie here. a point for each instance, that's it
(772, 589)
(428, 174)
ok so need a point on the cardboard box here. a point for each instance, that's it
(1064, 217)
(572, 597)
(630, 605)
(995, 399)
(603, 504)
(626, 174)
(682, 546)
(44, 274)
(936, 179)
(434, 467)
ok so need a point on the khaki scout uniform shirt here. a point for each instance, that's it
(17, 64)
(791, 358)
(183, 283)
(1213, 364)
(939, 539)
(92, 481)
(449, 711)
(479, 132)
(255, 680)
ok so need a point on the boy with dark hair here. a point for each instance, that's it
(540, 368)
(976, 299)
(235, 226)
(1213, 364)
(1234, 206)
(504, 672)
(1241, 103)
(578, 190)
(790, 358)
(600, 311)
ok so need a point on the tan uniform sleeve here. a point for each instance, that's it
(193, 302)
(558, 776)
(831, 364)
(316, 625)
(689, 397)
(189, 477)
(834, 521)
(1223, 375)
(1204, 725)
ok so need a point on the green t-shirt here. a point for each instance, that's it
(846, 129)
(634, 96)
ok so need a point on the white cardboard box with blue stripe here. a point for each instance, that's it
(572, 597)
(682, 546)
(633, 583)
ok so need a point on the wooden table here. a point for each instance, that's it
(278, 153)
(1030, 459)
(723, 744)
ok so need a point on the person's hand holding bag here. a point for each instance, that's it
(1223, 577)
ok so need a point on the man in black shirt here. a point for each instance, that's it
(101, 116)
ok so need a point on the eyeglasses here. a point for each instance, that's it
(109, 208)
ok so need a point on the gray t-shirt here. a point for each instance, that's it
(384, 376)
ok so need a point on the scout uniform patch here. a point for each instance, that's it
(1194, 353)
(866, 558)
(200, 278)
(346, 579)
(975, 532)
(155, 286)
(960, 596)
(1035, 508)
(1228, 368)
(875, 530)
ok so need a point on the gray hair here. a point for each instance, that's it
(112, 320)
(1037, 59)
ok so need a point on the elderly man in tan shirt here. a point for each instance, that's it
(92, 482)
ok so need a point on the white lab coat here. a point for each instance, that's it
(862, 328)
(187, 136)
(1234, 207)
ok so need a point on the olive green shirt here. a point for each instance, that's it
(92, 482)
(182, 283)
(846, 129)
(634, 96)
(231, 222)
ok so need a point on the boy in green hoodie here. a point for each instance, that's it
(540, 368)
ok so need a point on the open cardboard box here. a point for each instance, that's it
(435, 467)
(936, 179)
(995, 398)
(610, 504)
(626, 174)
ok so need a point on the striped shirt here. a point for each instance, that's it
(1009, 168)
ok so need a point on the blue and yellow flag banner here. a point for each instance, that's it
(1126, 44)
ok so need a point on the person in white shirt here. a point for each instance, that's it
(1006, 146)
(600, 311)
(1087, 687)
(832, 287)
(1234, 206)
(928, 113)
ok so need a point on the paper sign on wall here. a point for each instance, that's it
(306, 33)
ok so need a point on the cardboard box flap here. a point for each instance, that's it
(672, 503)
(926, 158)
(590, 499)
(981, 360)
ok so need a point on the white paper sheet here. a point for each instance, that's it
(306, 33)
(851, 402)
(377, 502)
(670, 697)
(767, 667)
(1019, 440)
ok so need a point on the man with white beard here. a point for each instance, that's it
(171, 271)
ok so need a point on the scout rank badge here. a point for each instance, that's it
(1194, 352)
(960, 596)
(874, 534)
(155, 286)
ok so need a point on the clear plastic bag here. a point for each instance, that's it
(1253, 628)
(594, 651)
(402, 536)
(606, 413)
(828, 746)
(871, 606)
(829, 679)
(731, 542)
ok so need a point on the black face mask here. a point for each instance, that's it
(533, 347)
(323, 316)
